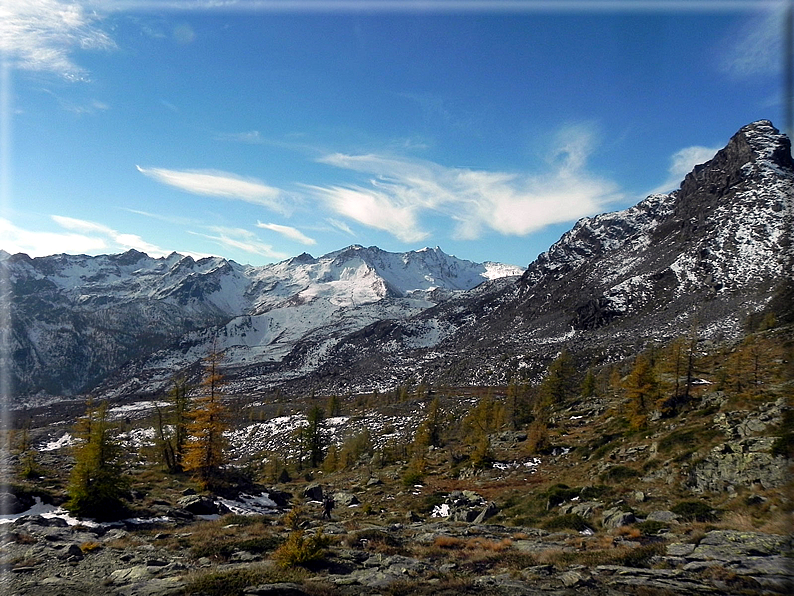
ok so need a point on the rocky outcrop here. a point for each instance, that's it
(745, 458)
(47, 556)
(466, 506)
(742, 463)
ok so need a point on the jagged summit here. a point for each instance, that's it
(709, 254)
(751, 152)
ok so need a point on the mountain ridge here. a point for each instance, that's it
(91, 314)
(707, 255)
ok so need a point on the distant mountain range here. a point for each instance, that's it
(707, 256)
(76, 320)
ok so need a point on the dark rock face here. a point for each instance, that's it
(198, 505)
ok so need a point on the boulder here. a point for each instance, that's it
(345, 499)
(279, 497)
(313, 492)
(488, 511)
(198, 505)
(615, 518)
(745, 462)
(9, 503)
(662, 516)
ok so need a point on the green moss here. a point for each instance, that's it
(589, 493)
(222, 548)
(559, 493)
(695, 511)
(652, 527)
(784, 443)
(570, 521)
(687, 439)
(618, 473)
(234, 581)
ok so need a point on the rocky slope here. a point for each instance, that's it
(53, 558)
(706, 256)
(562, 522)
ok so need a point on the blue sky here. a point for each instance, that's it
(258, 130)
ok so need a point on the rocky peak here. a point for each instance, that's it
(757, 141)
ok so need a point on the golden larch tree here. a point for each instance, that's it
(205, 450)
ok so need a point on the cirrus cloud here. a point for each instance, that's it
(40, 35)
(681, 163)
(241, 239)
(288, 232)
(401, 191)
(215, 183)
(80, 237)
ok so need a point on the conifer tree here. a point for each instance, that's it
(519, 403)
(172, 423)
(205, 450)
(429, 432)
(640, 388)
(589, 384)
(334, 406)
(560, 382)
(486, 417)
(312, 436)
(27, 454)
(96, 485)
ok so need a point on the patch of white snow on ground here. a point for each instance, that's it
(440, 510)
(65, 440)
(250, 505)
(48, 512)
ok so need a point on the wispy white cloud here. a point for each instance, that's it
(214, 183)
(252, 137)
(41, 35)
(341, 226)
(38, 244)
(288, 232)
(184, 34)
(403, 190)
(84, 107)
(241, 239)
(113, 239)
(681, 163)
(757, 48)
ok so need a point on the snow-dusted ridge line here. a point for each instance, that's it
(87, 315)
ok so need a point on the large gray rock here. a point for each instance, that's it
(345, 499)
(615, 518)
(746, 462)
(9, 503)
(198, 505)
(733, 545)
(488, 512)
(584, 508)
(313, 492)
(662, 516)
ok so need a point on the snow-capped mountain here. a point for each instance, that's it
(708, 256)
(77, 319)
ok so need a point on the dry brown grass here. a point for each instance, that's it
(629, 532)
(472, 544)
(88, 547)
